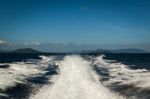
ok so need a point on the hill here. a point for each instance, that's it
(30, 50)
(128, 51)
(25, 50)
(114, 51)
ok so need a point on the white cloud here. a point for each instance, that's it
(26, 44)
(32, 43)
(35, 43)
(3, 42)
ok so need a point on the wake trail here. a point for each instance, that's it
(76, 81)
(18, 73)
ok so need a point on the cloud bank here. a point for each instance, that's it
(3, 42)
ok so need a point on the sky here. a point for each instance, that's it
(77, 24)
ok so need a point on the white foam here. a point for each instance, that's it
(76, 81)
(123, 74)
(46, 58)
(17, 72)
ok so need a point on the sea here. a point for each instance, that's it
(74, 76)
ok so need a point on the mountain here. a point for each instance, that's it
(30, 50)
(101, 51)
(114, 51)
(25, 50)
(128, 51)
(93, 51)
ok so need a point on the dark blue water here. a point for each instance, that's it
(135, 61)
(141, 60)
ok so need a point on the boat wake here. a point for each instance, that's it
(75, 77)
(75, 81)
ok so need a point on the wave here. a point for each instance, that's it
(131, 82)
(122, 74)
(18, 72)
(76, 80)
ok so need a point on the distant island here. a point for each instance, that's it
(128, 51)
(120, 51)
(22, 50)
(30, 50)
(26, 50)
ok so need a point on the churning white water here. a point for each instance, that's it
(17, 72)
(121, 73)
(76, 80)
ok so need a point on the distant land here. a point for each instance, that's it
(26, 50)
(128, 51)
(30, 50)
(22, 50)
(121, 51)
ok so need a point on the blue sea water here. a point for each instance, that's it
(22, 76)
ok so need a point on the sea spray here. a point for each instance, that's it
(121, 73)
(18, 72)
(75, 81)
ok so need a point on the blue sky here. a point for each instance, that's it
(103, 22)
